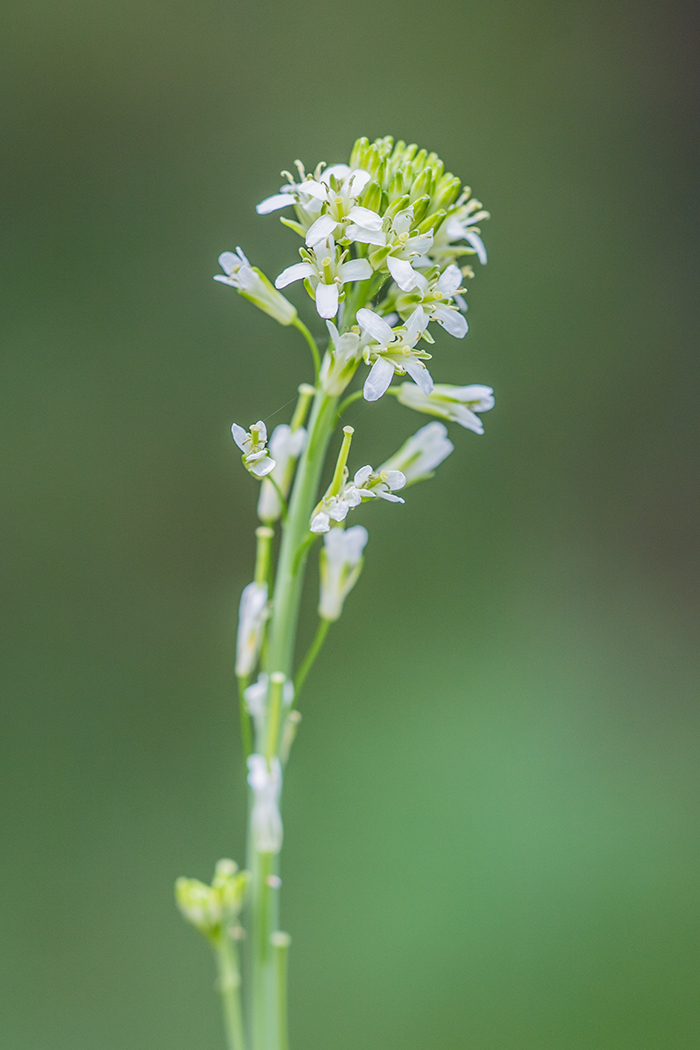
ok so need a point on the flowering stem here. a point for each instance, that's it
(312, 344)
(313, 651)
(280, 945)
(229, 983)
(268, 998)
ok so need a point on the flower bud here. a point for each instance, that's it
(252, 614)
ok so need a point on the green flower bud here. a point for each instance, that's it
(359, 153)
(422, 185)
(207, 908)
(446, 191)
(420, 207)
(372, 197)
(432, 222)
(396, 206)
(396, 185)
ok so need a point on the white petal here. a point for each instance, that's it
(229, 261)
(314, 189)
(279, 200)
(416, 324)
(375, 326)
(462, 415)
(364, 236)
(378, 380)
(360, 178)
(365, 217)
(320, 230)
(389, 497)
(262, 467)
(321, 523)
(340, 511)
(450, 280)
(239, 436)
(333, 332)
(419, 374)
(341, 171)
(356, 270)
(402, 272)
(226, 280)
(402, 221)
(477, 243)
(362, 475)
(395, 479)
(294, 273)
(327, 299)
(452, 321)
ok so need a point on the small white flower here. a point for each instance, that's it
(327, 272)
(256, 699)
(404, 248)
(393, 351)
(252, 614)
(422, 453)
(253, 285)
(459, 225)
(438, 298)
(366, 484)
(458, 403)
(266, 784)
(285, 449)
(340, 564)
(326, 206)
(256, 456)
(341, 360)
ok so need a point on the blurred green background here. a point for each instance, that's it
(491, 814)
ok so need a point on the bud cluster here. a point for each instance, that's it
(209, 908)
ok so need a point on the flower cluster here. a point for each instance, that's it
(209, 907)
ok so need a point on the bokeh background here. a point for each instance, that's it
(491, 813)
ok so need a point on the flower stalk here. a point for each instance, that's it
(381, 239)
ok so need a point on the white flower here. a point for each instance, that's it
(256, 699)
(340, 564)
(266, 784)
(395, 352)
(404, 248)
(253, 285)
(459, 225)
(458, 403)
(252, 614)
(437, 297)
(341, 360)
(326, 206)
(327, 272)
(256, 457)
(367, 484)
(422, 453)
(285, 448)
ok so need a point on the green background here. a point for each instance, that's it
(491, 813)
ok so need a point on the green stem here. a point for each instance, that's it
(229, 983)
(280, 949)
(261, 922)
(298, 323)
(313, 651)
(281, 637)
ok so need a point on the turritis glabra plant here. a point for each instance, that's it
(383, 258)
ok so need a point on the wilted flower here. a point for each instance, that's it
(252, 284)
(458, 403)
(285, 448)
(252, 613)
(421, 454)
(265, 781)
(340, 566)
